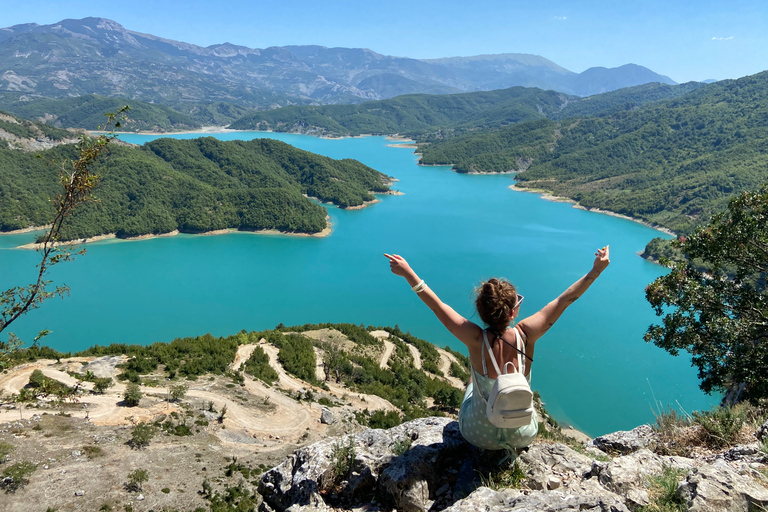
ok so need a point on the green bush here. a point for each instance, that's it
(258, 366)
(16, 476)
(37, 379)
(722, 425)
(136, 478)
(132, 395)
(141, 435)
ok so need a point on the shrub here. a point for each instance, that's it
(258, 366)
(141, 435)
(100, 385)
(5, 449)
(92, 451)
(178, 392)
(662, 492)
(132, 395)
(37, 379)
(401, 446)
(342, 460)
(722, 425)
(136, 478)
(505, 478)
(16, 476)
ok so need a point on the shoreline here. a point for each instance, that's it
(548, 196)
(226, 231)
(21, 231)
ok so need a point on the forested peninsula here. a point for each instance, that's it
(667, 155)
(671, 163)
(191, 186)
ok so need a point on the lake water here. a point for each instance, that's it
(593, 368)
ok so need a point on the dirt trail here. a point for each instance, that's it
(416, 356)
(446, 358)
(389, 347)
(319, 365)
(285, 418)
(244, 353)
(358, 400)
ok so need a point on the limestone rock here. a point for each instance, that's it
(625, 441)
(509, 500)
(426, 465)
(543, 461)
(326, 416)
(762, 432)
(408, 480)
(717, 487)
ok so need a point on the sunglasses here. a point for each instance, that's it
(519, 301)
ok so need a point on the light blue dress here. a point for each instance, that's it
(475, 426)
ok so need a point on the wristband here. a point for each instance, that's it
(419, 286)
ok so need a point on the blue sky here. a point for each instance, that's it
(684, 40)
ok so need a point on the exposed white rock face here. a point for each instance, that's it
(439, 471)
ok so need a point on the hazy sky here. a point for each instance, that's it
(685, 40)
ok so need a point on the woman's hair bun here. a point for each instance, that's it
(494, 302)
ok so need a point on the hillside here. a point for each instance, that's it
(99, 56)
(310, 418)
(432, 117)
(256, 395)
(87, 112)
(187, 185)
(670, 162)
(412, 115)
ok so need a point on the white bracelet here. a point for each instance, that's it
(419, 286)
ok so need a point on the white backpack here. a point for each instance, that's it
(510, 403)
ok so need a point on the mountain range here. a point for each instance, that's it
(100, 56)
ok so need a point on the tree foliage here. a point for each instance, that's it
(132, 395)
(715, 304)
(77, 180)
(192, 186)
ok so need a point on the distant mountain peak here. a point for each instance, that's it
(100, 56)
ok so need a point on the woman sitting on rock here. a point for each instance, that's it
(500, 344)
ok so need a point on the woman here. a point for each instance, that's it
(498, 304)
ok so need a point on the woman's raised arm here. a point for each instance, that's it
(467, 332)
(537, 324)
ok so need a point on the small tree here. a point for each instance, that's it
(177, 392)
(141, 435)
(132, 395)
(715, 304)
(77, 182)
(37, 379)
(136, 478)
(101, 384)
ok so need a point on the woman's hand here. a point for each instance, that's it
(399, 266)
(602, 259)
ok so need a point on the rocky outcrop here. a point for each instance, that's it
(425, 465)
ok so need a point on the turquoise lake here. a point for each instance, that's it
(593, 369)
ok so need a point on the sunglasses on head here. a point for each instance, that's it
(519, 301)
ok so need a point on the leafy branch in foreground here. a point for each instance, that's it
(77, 182)
(715, 304)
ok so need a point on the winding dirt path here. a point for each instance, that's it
(280, 419)
(389, 347)
(446, 358)
(243, 353)
(416, 356)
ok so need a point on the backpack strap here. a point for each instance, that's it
(487, 346)
(520, 361)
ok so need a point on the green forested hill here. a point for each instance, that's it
(413, 115)
(88, 112)
(432, 117)
(671, 162)
(191, 185)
